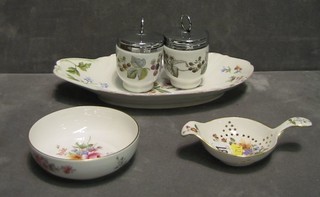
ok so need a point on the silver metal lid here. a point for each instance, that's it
(186, 38)
(141, 42)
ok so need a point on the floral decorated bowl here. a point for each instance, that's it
(239, 141)
(84, 142)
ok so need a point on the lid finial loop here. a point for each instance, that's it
(142, 26)
(183, 19)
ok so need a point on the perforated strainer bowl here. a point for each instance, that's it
(239, 141)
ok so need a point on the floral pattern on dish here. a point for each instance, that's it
(237, 145)
(77, 73)
(120, 162)
(45, 164)
(240, 147)
(80, 151)
(235, 74)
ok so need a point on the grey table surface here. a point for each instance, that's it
(165, 163)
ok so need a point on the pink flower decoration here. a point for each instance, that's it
(93, 155)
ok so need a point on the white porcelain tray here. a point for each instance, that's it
(99, 75)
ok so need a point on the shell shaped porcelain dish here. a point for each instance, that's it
(239, 141)
(84, 142)
(100, 76)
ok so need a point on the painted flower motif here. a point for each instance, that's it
(44, 163)
(104, 85)
(245, 145)
(67, 169)
(237, 69)
(226, 69)
(299, 121)
(156, 65)
(215, 137)
(62, 151)
(75, 156)
(232, 78)
(235, 76)
(74, 73)
(93, 155)
(194, 129)
(88, 80)
(242, 148)
(81, 151)
(247, 152)
(121, 161)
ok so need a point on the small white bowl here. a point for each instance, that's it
(84, 142)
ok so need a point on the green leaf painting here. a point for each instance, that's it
(72, 77)
(73, 71)
(175, 66)
(143, 73)
(80, 66)
(132, 73)
(138, 62)
(84, 66)
(175, 71)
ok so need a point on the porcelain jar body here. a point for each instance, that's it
(185, 68)
(138, 71)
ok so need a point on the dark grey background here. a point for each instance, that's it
(271, 34)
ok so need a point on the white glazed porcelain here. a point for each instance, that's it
(83, 142)
(185, 68)
(239, 141)
(138, 71)
(100, 76)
